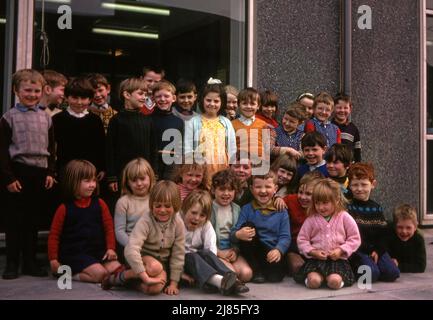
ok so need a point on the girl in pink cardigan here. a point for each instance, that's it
(327, 239)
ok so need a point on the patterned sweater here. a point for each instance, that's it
(372, 225)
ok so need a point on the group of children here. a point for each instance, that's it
(188, 207)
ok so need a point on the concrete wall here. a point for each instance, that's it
(386, 97)
(298, 47)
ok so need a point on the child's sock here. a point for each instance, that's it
(215, 280)
(118, 279)
(76, 277)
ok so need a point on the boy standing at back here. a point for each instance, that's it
(163, 118)
(100, 106)
(249, 129)
(322, 110)
(151, 76)
(130, 133)
(26, 170)
(349, 132)
(53, 92)
(186, 100)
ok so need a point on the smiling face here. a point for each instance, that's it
(269, 111)
(212, 105)
(56, 95)
(242, 171)
(186, 100)
(305, 195)
(162, 211)
(139, 186)
(314, 155)
(284, 176)
(194, 217)
(192, 179)
(248, 108)
(263, 190)
(322, 111)
(164, 99)
(224, 195)
(78, 104)
(290, 124)
(101, 95)
(86, 188)
(361, 188)
(336, 168)
(342, 111)
(134, 100)
(324, 208)
(29, 93)
(308, 104)
(405, 229)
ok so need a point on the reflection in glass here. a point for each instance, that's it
(429, 61)
(190, 39)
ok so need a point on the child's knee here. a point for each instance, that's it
(154, 268)
(245, 274)
(98, 274)
(314, 280)
(151, 289)
(334, 281)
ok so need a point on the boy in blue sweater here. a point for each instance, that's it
(263, 232)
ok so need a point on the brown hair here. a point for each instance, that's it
(298, 111)
(405, 212)
(231, 90)
(137, 168)
(343, 97)
(323, 97)
(75, 172)
(249, 94)
(361, 170)
(270, 175)
(79, 87)
(225, 178)
(98, 79)
(165, 191)
(54, 79)
(203, 198)
(328, 190)
(186, 167)
(269, 98)
(164, 85)
(339, 152)
(27, 75)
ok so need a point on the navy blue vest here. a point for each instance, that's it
(83, 230)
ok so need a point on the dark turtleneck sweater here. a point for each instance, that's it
(130, 134)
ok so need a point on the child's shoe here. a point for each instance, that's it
(227, 283)
(240, 287)
(258, 278)
(11, 271)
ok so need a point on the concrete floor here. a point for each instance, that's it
(407, 287)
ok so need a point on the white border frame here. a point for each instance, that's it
(426, 218)
(251, 45)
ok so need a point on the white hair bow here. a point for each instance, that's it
(214, 81)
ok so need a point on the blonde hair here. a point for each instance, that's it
(203, 198)
(27, 75)
(137, 168)
(165, 191)
(130, 85)
(75, 172)
(164, 85)
(327, 190)
(231, 90)
(186, 167)
(405, 212)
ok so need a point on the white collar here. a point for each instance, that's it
(312, 168)
(77, 115)
(247, 121)
(103, 107)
